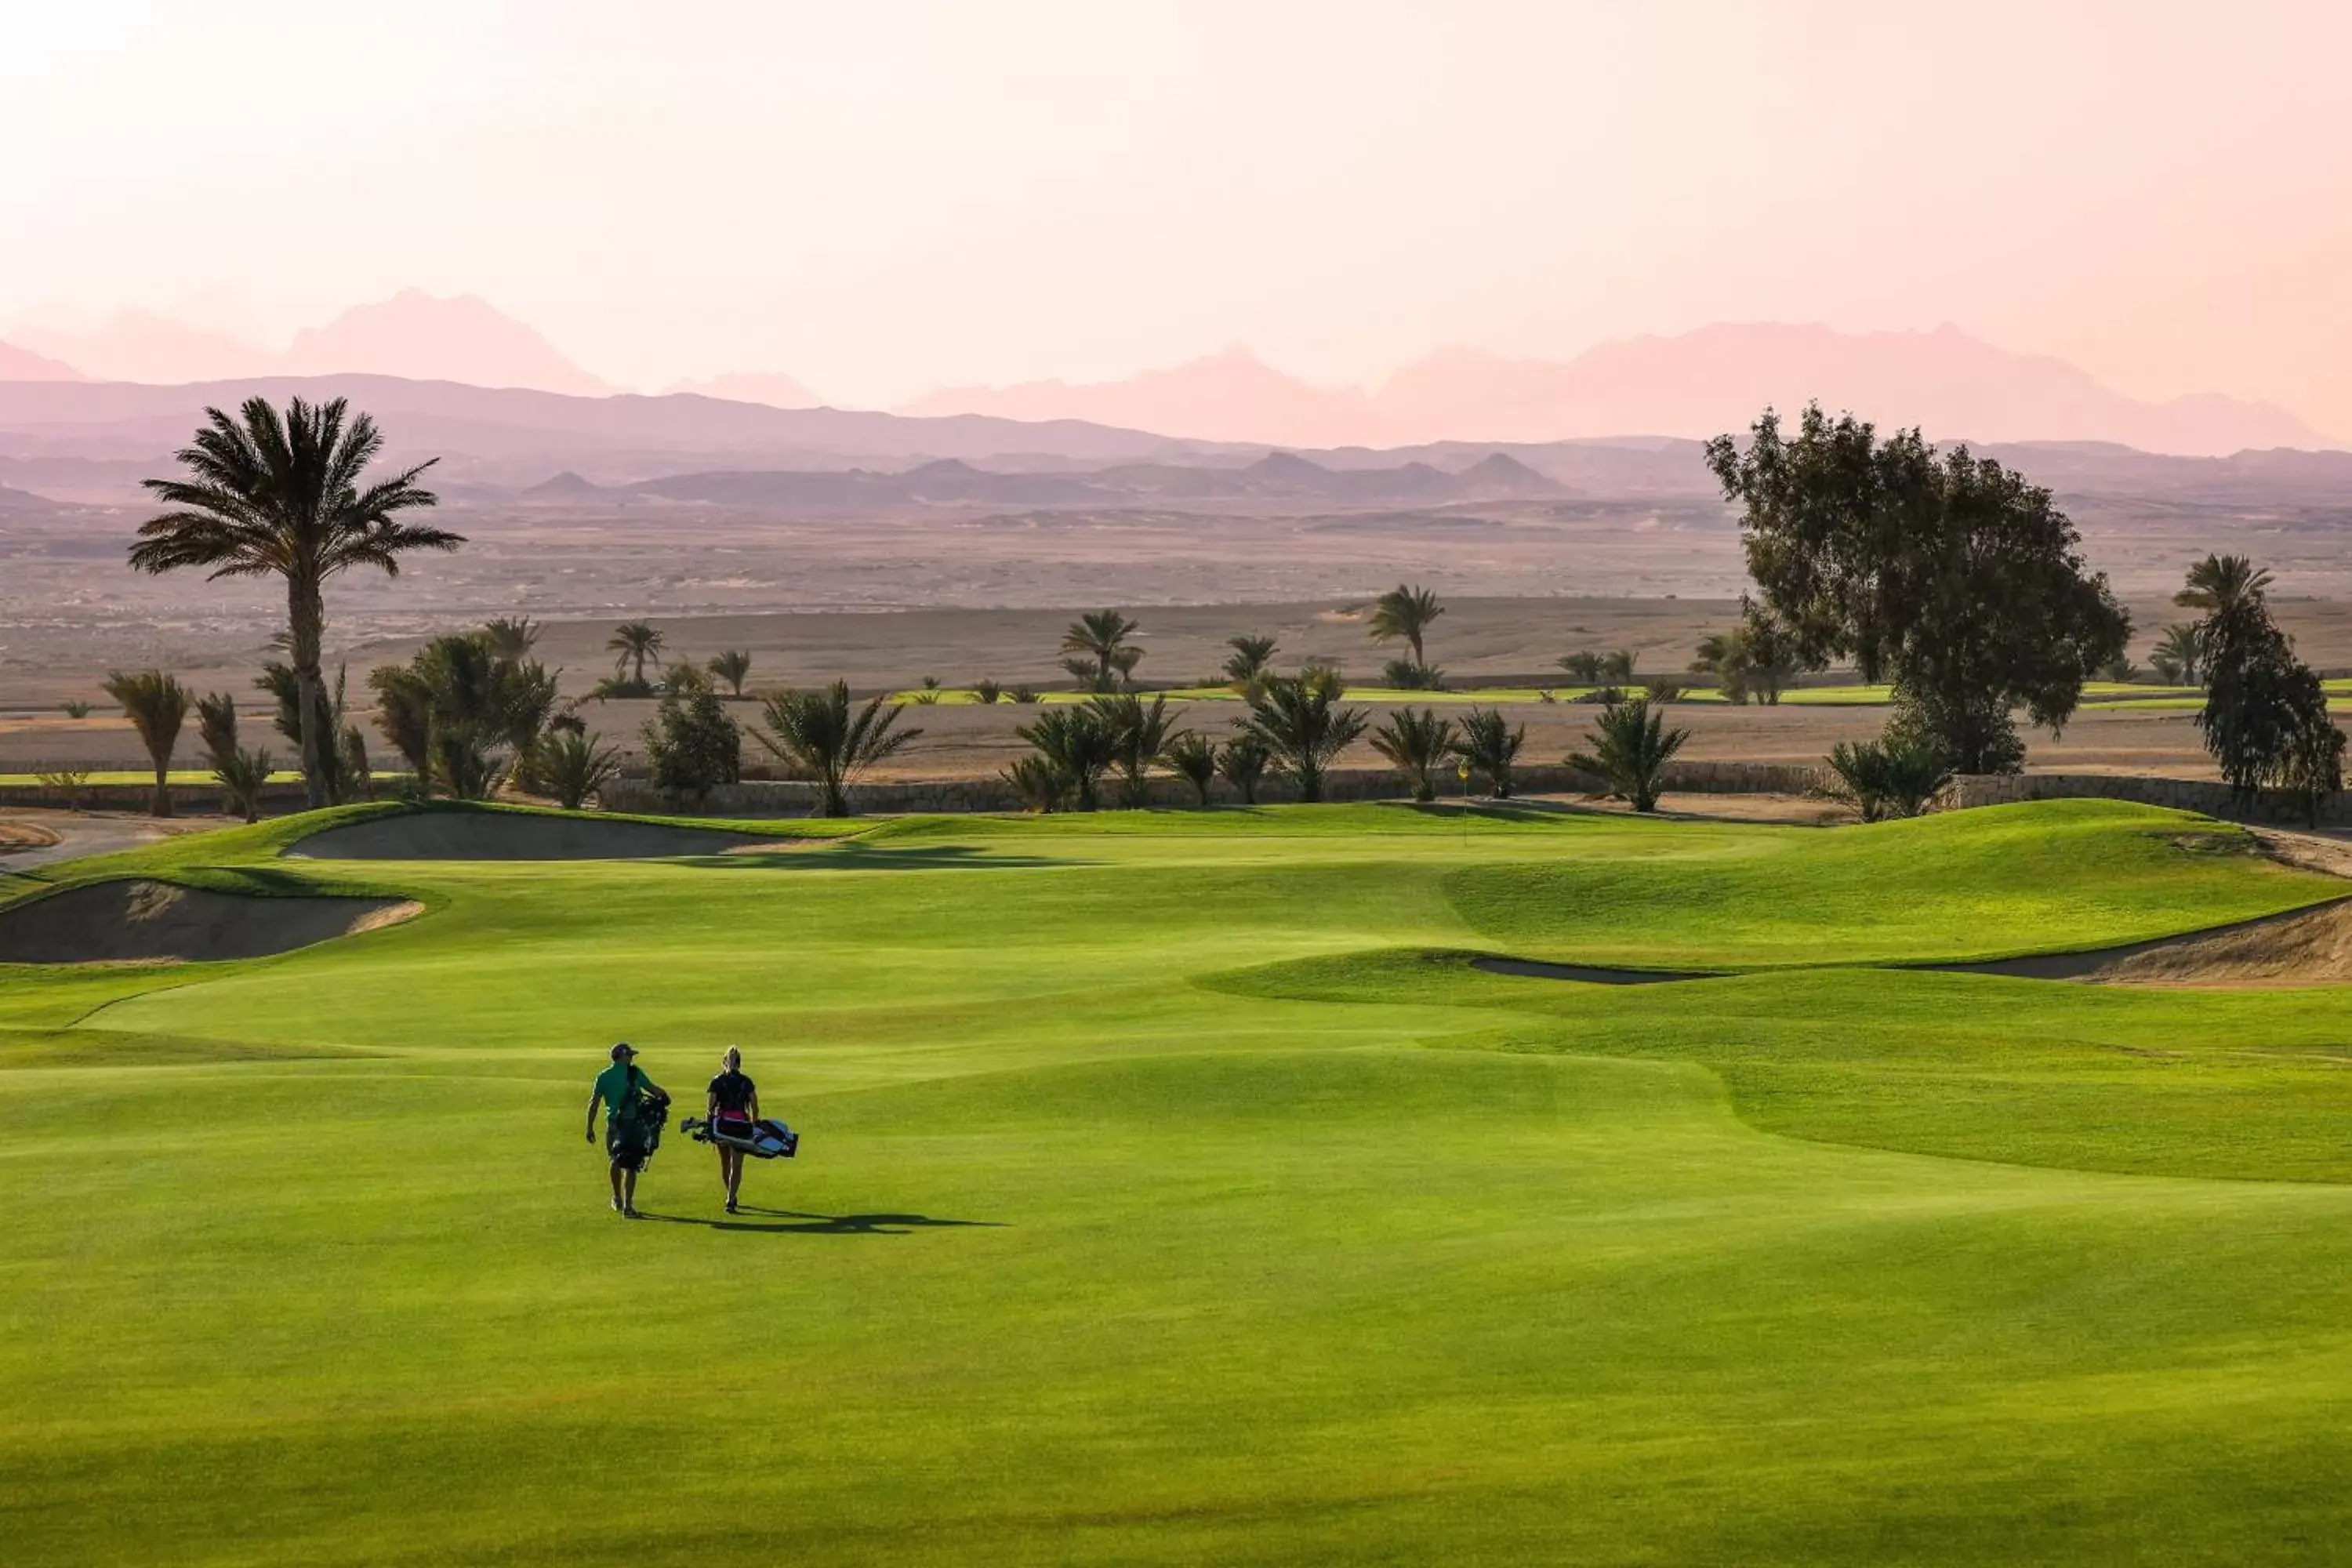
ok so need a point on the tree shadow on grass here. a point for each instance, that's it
(852, 855)
(796, 1222)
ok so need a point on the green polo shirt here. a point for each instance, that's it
(613, 1087)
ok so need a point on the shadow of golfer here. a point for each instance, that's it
(792, 1222)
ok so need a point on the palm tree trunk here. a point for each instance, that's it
(306, 616)
(835, 803)
(163, 790)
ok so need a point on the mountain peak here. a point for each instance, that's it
(426, 337)
(23, 364)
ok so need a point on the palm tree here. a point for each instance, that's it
(1583, 668)
(2223, 584)
(1302, 727)
(241, 776)
(1490, 745)
(1415, 741)
(817, 733)
(1078, 746)
(511, 640)
(733, 666)
(1252, 656)
(572, 766)
(2178, 659)
(1630, 749)
(1101, 636)
(635, 642)
(1036, 781)
(216, 725)
(1242, 763)
(1194, 761)
(1724, 655)
(157, 705)
(272, 496)
(404, 715)
(1404, 612)
(1143, 734)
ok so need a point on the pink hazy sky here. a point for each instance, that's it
(879, 198)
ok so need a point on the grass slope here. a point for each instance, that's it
(1137, 1222)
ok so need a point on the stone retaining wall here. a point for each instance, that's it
(194, 798)
(792, 798)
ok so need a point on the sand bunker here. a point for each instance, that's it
(2305, 947)
(155, 922)
(516, 836)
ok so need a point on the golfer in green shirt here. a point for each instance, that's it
(633, 1106)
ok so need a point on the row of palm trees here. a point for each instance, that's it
(637, 644)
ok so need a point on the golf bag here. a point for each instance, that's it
(635, 1128)
(766, 1139)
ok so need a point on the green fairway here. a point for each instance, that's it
(1174, 1190)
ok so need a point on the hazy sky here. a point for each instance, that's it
(880, 198)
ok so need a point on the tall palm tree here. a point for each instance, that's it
(1404, 612)
(734, 668)
(635, 642)
(157, 705)
(1143, 733)
(1101, 635)
(1078, 746)
(1490, 745)
(216, 725)
(817, 732)
(1630, 749)
(266, 495)
(1299, 722)
(2223, 584)
(1415, 741)
(1252, 656)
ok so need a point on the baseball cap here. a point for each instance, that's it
(624, 1049)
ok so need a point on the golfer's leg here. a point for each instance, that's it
(629, 1192)
(615, 1173)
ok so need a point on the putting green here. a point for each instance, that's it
(1173, 1190)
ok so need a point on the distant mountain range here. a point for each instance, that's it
(23, 364)
(1276, 477)
(1698, 383)
(413, 334)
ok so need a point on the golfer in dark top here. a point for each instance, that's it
(623, 1091)
(734, 1104)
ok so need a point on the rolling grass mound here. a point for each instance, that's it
(1178, 1187)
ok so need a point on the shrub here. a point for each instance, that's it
(987, 690)
(818, 734)
(1194, 761)
(573, 767)
(1414, 741)
(1631, 748)
(1491, 745)
(241, 776)
(1303, 728)
(1662, 692)
(693, 744)
(1897, 775)
(1078, 746)
(1242, 763)
(1404, 675)
(1021, 694)
(1034, 780)
(77, 709)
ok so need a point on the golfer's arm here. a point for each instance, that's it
(594, 1099)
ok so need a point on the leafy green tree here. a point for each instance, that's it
(1194, 761)
(1415, 742)
(1141, 732)
(1404, 612)
(572, 766)
(1303, 727)
(1099, 638)
(1491, 745)
(734, 668)
(1631, 748)
(693, 745)
(1252, 657)
(819, 733)
(1583, 667)
(1242, 763)
(1404, 675)
(157, 706)
(283, 497)
(1750, 662)
(1948, 575)
(634, 643)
